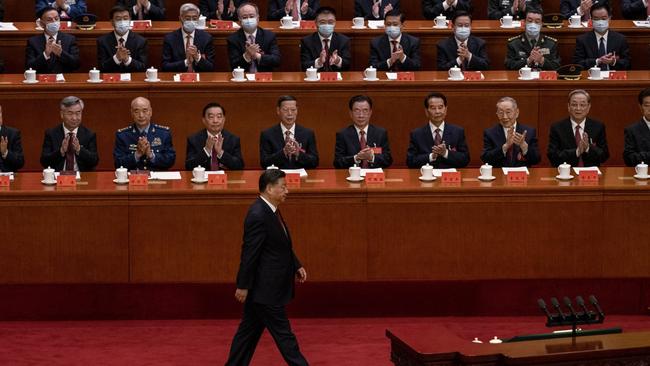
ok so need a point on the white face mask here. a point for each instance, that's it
(326, 30)
(393, 31)
(533, 29)
(462, 33)
(601, 26)
(190, 25)
(53, 28)
(122, 26)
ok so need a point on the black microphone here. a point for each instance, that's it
(594, 302)
(567, 302)
(581, 302)
(542, 305)
(556, 305)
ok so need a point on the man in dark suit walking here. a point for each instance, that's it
(265, 281)
(578, 140)
(602, 47)
(288, 145)
(122, 50)
(509, 143)
(52, 52)
(361, 143)
(251, 47)
(325, 49)
(437, 143)
(214, 148)
(297, 9)
(395, 51)
(11, 149)
(70, 146)
(188, 49)
(462, 49)
(374, 9)
(637, 135)
(145, 9)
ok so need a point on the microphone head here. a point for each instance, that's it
(580, 301)
(567, 301)
(541, 303)
(555, 302)
(593, 300)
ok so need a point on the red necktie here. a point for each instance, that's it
(190, 66)
(578, 141)
(294, 11)
(214, 160)
(364, 144)
(395, 66)
(647, 10)
(287, 138)
(253, 67)
(437, 139)
(140, 13)
(326, 47)
(69, 155)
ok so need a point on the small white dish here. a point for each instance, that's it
(366, 79)
(350, 179)
(95, 81)
(438, 27)
(427, 179)
(486, 179)
(642, 177)
(508, 27)
(199, 181)
(358, 27)
(290, 27)
(575, 26)
(238, 80)
(308, 79)
(590, 78)
(152, 80)
(454, 79)
(48, 183)
(528, 79)
(117, 181)
(568, 177)
(30, 82)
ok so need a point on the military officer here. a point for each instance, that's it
(143, 145)
(532, 48)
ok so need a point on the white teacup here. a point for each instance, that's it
(486, 171)
(271, 167)
(358, 22)
(354, 172)
(198, 173)
(455, 73)
(202, 21)
(152, 74)
(526, 73)
(30, 75)
(48, 175)
(506, 21)
(93, 74)
(238, 74)
(441, 21)
(370, 73)
(121, 174)
(426, 171)
(594, 72)
(574, 20)
(564, 170)
(311, 73)
(287, 21)
(641, 169)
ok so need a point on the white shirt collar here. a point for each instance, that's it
(254, 34)
(574, 124)
(646, 122)
(188, 34)
(433, 128)
(398, 39)
(47, 36)
(328, 38)
(292, 130)
(210, 134)
(365, 129)
(505, 130)
(66, 131)
(125, 36)
(598, 36)
(273, 208)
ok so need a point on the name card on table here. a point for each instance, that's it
(547, 75)
(138, 180)
(217, 179)
(112, 78)
(588, 176)
(376, 150)
(65, 25)
(4, 181)
(376, 177)
(472, 75)
(47, 78)
(221, 24)
(451, 177)
(263, 76)
(141, 24)
(618, 75)
(405, 76)
(517, 177)
(328, 76)
(189, 77)
(66, 180)
(307, 24)
(292, 179)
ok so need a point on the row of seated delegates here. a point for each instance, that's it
(70, 9)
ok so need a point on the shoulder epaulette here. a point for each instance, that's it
(513, 38)
(551, 38)
(123, 129)
(161, 126)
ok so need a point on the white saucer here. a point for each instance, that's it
(528, 79)
(116, 181)
(564, 178)
(30, 82)
(349, 179)
(283, 27)
(366, 79)
(48, 183)
(306, 79)
(642, 177)
(427, 179)
(436, 27)
(510, 27)
(590, 78)
(452, 79)
(152, 80)
(238, 80)
(486, 179)
(95, 81)
(361, 27)
(575, 26)
(199, 181)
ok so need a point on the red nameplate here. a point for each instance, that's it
(217, 179)
(451, 177)
(374, 177)
(618, 75)
(138, 180)
(189, 77)
(292, 179)
(547, 75)
(263, 76)
(221, 24)
(517, 177)
(588, 176)
(66, 181)
(307, 24)
(111, 78)
(472, 75)
(141, 24)
(64, 25)
(47, 78)
(4, 181)
(406, 76)
(376, 150)
(328, 76)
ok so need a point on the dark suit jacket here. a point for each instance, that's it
(363, 8)
(637, 144)
(2, 10)
(15, 158)
(498, 8)
(156, 11)
(347, 145)
(231, 158)
(421, 142)
(587, 50)
(68, 62)
(276, 9)
(381, 49)
(173, 57)
(272, 143)
(311, 46)
(570, 7)
(106, 50)
(448, 51)
(268, 264)
(493, 140)
(209, 9)
(268, 44)
(562, 144)
(75, 9)
(51, 154)
(634, 9)
(433, 8)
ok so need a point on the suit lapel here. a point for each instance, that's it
(645, 131)
(354, 138)
(570, 133)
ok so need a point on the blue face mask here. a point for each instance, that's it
(462, 33)
(53, 28)
(189, 25)
(249, 24)
(393, 31)
(122, 26)
(601, 26)
(532, 30)
(326, 30)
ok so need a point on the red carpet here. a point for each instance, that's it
(335, 341)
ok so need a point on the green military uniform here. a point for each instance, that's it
(519, 49)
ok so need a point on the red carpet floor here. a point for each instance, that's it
(335, 342)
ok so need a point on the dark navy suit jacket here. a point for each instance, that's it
(15, 158)
(51, 155)
(75, 9)
(195, 156)
(381, 49)
(586, 51)
(209, 9)
(348, 145)
(493, 140)
(433, 8)
(311, 47)
(448, 52)
(106, 50)
(272, 143)
(562, 144)
(276, 9)
(421, 143)
(637, 144)
(268, 44)
(363, 8)
(570, 7)
(173, 57)
(68, 62)
(156, 11)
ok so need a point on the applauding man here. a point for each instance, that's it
(325, 50)
(52, 52)
(252, 47)
(122, 50)
(188, 49)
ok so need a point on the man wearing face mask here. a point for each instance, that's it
(188, 49)
(145, 9)
(52, 52)
(602, 47)
(251, 47)
(462, 49)
(121, 50)
(533, 49)
(517, 8)
(297, 9)
(325, 50)
(395, 51)
(67, 9)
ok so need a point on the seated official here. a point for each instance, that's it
(325, 49)
(635, 9)
(602, 47)
(509, 143)
(220, 9)
(578, 140)
(70, 146)
(434, 8)
(437, 143)
(374, 9)
(288, 145)
(361, 143)
(517, 8)
(144, 9)
(251, 47)
(580, 7)
(213, 148)
(395, 51)
(143, 145)
(532, 48)
(188, 49)
(67, 9)
(462, 49)
(11, 148)
(52, 52)
(637, 135)
(297, 9)
(121, 51)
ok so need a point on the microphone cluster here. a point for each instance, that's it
(581, 315)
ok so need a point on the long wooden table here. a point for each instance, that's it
(12, 43)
